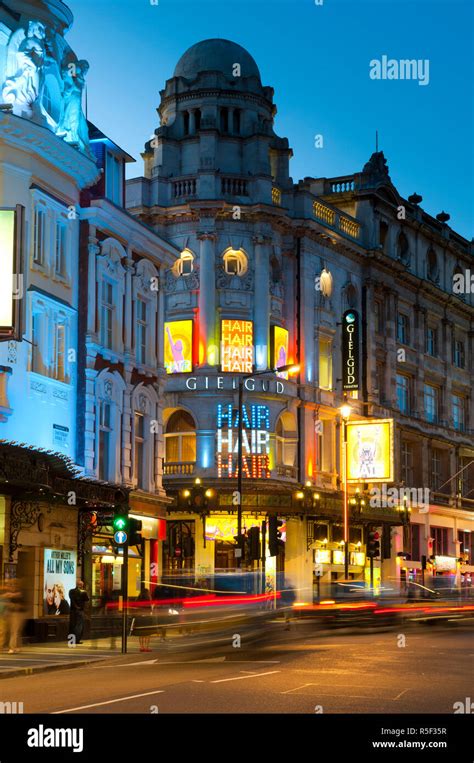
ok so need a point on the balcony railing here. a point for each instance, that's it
(336, 219)
(181, 468)
(184, 188)
(234, 186)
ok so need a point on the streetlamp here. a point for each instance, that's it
(345, 411)
(291, 368)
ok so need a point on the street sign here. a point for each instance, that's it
(318, 570)
(120, 537)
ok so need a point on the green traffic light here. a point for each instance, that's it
(120, 523)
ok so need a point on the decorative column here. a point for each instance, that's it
(161, 319)
(208, 347)
(129, 268)
(262, 302)
(93, 251)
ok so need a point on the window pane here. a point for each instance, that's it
(188, 447)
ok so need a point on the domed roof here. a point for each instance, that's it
(215, 55)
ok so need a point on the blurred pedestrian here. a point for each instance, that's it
(16, 608)
(3, 616)
(144, 620)
(78, 597)
(287, 598)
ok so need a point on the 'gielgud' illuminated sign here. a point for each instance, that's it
(350, 350)
(237, 346)
(255, 441)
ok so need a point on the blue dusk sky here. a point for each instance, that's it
(317, 58)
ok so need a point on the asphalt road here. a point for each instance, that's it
(334, 674)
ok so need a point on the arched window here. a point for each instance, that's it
(432, 265)
(286, 440)
(403, 249)
(351, 295)
(184, 266)
(144, 403)
(235, 262)
(180, 438)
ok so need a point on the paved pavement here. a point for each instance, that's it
(382, 673)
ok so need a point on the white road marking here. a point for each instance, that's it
(401, 694)
(109, 702)
(240, 678)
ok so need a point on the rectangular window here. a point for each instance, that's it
(436, 479)
(440, 541)
(431, 341)
(403, 393)
(407, 463)
(105, 432)
(36, 350)
(466, 545)
(415, 542)
(431, 403)
(459, 412)
(108, 309)
(458, 353)
(114, 180)
(139, 438)
(141, 332)
(60, 260)
(403, 328)
(59, 357)
(39, 237)
(325, 363)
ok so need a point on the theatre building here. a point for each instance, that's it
(268, 272)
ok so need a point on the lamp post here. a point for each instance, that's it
(345, 413)
(291, 368)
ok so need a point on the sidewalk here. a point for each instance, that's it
(44, 657)
(37, 658)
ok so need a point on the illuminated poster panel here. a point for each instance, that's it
(237, 346)
(7, 260)
(60, 569)
(370, 451)
(178, 347)
(280, 350)
(255, 441)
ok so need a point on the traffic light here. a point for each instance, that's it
(198, 498)
(240, 541)
(373, 544)
(121, 525)
(254, 543)
(274, 535)
(134, 532)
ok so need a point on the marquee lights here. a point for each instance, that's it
(255, 441)
(237, 346)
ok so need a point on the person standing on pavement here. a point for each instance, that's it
(78, 597)
(16, 607)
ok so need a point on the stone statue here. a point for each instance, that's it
(72, 125)
(24, 81)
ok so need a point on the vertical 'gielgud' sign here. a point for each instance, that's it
(350, 350)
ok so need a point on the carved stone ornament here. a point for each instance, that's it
(234, 282)
(108, 388)
(175, 283)
(142, 403)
